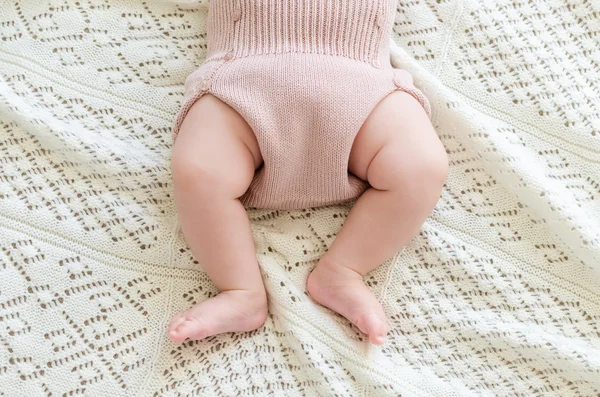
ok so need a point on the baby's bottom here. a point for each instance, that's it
(214, 158)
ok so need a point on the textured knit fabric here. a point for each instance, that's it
(305, 75)
(497, 296)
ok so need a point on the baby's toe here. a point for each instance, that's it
(375, 327)
(175, 321)
(176, 336)
(181, 329)
(192, 328)
(377, 338)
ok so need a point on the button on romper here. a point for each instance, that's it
(305, 75)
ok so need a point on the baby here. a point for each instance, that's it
(297, 106)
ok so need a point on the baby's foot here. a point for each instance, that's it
(230, 311)
(344, 291)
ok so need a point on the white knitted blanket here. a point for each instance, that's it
(498, 295)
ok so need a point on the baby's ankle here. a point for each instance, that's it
(340, 267)
(250, 294)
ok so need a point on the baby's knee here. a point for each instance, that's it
(433, 167)
(204, 178)
(424, 173)
(428, 172)
(188, 171)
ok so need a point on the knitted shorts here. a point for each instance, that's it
(305, 76)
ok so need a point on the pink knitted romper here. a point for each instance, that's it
(305, 75)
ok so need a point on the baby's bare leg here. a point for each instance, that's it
(399, 153)
(213, 163)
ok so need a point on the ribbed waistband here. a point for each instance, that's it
(357, 29)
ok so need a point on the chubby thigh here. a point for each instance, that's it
(397, 142)
(217, 145)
